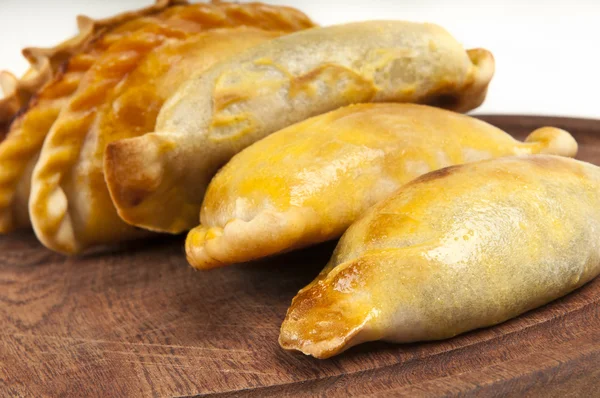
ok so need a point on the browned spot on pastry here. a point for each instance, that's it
(133, 187)
(323, 294)
(224, 99)
(134, 196)
(435, 175)
(352, 86)
(324, 316)
(309, 77)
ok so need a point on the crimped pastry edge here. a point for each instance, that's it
(46, 62)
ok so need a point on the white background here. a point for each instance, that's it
(547, 52)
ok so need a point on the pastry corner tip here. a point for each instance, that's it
(195, 248)
(131, 171)
(554, 141)
(293, 340)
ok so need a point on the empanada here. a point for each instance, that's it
(69, 142)
(45, 63)
(157, 181)
(307, 183)
(457, 249)
(20, 151)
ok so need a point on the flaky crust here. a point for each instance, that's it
(457, 249)
(272, 86)
(46, 62)
(307, 183)
(55, 217)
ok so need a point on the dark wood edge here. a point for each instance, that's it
(535, 121)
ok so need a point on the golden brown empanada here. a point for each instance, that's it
(457, 249)
(307, 183)
(20, 151)
(45, 63)
(69, 131)
(157, 181)
(131, 111)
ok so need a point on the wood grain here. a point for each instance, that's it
(137, 321)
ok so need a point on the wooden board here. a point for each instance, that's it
(139, 322)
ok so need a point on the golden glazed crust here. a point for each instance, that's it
(55, 182)
(272, 86)
(20, 150)
(46, 62)
(279, 193)
(457, 249)
(130, 112)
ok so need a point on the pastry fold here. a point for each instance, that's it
(69, 207)
(157, 181)
(457, 249)
(307, 183)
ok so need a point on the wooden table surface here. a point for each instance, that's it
(137, 321)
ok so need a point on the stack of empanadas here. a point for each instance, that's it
(138, 62)
(286, 80)
(316, 132)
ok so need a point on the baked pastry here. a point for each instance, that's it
(51, 90)
(45, 63)
(157, 181)
(90, 217)
(457, 249)
(178, 22)
(307, 183)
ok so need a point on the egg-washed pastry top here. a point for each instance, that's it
(47, 63)
(307, 183)
(157, 181)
